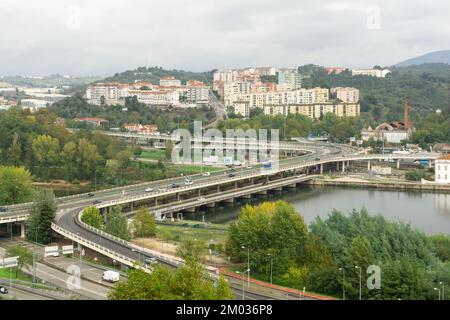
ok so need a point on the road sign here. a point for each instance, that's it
(67, 249)
(9, 262)
(52, 251)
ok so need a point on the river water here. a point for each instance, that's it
(429, 212)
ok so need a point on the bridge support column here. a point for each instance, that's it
(429, 164)
(9, 228)
(368, 166)
(131, 206)
(178, 196)
(199, 192)
(235, 185)
(156, 201)
(22, 230)
(337, 166)
(343, 166)
(218, 188)
(321, 168)
(398, 164)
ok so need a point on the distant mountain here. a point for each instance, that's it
(432, 57)
(153, 74)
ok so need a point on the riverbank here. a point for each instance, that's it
(380, 183)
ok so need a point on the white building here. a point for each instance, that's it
(442, 173)
(371, 72)
(169, 82)
(197, 92)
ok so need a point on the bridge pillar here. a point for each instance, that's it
(218, 188)
(131, 206)
(22, 230)
(321, 168)
(199, 192)
(398, 164)
(9, 228)
(235, 185)
(429, 164)
(337, 166)
(343, 166)
(178, 196)
(156, 201)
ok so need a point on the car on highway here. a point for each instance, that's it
(97, 202)
(189, 183)
(151, 260)
(3, 290)
(206, 174)
(249, 167)
(317, 159)
(200, 199)
(2, 209)
(175, 185)
(111, 276)
(231, 175)
(90, 195)
(149, 189)
(161, 189)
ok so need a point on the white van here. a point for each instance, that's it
(111, 276)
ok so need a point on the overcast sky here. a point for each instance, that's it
(94, 37)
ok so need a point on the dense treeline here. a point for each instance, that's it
(51, 152)
(298, 125)
(411, 263)
(153, 74)
(383, 98)
(167, 119)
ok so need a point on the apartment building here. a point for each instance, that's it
(290, 78)
(346, 94)
(315, 110)
(442, 165)
(156, 97)
(169, 82)
(197, 92)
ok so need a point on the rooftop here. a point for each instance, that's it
(446, 157)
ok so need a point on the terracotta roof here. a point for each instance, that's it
(446, 157)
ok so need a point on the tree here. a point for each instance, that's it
(69, 156)
(190, 282)
(15, 186)
(117, 223)
(25, 256)
(270, 228)
(46, 152)
(91, 215)
(144, 223)
(87, 158)
(190, 248)
(42, 213)
(169, 148)
(15, 151)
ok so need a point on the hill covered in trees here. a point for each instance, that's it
(153, 74)
(442, 56)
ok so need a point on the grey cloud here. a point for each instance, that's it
(42, 37)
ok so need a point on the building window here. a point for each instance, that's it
(439, 177)
(439, 168)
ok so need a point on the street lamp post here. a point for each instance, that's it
(271, 266)
(343, 282)
(243, 287)
(360, 284)
(441, 284)
(248, 265)
(439, 292)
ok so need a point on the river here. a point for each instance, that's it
(429, 212)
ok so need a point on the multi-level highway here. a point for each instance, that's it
(218, 186)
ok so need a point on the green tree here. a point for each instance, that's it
(144, 223)
(25, 256)
(190, 282)
(168, 150)
(191, 248)
(15, 186)
(91, 215)
(69, 156)
(15, 151)
(46, 152)
(42, 213)
(117, 223)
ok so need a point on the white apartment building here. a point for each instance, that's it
(197, 92)
(109, 91)
(290, 77)
(371, 72)
(156, 97)
(315, 110)
(442, 172)
(349, 95)
(169, 82)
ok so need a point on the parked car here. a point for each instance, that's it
(3, 290)
(111, 276)
(149, 189)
